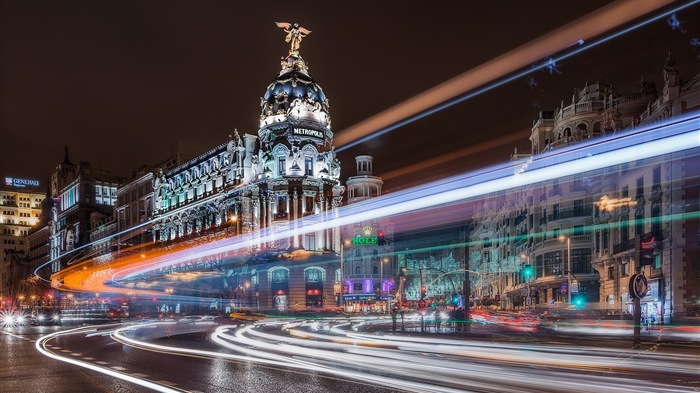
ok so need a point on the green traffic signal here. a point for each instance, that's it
(528, 271)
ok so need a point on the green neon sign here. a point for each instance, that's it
(364, 240)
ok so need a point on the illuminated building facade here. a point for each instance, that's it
(20, 210)
(84, 198)
(368, 263)
(598, 215)
(263, 183)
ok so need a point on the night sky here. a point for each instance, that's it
(119, 82)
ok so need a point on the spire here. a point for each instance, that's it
(65, 158)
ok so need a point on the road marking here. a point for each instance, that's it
(119, 368)
(101, 362)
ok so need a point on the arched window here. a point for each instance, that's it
(315, 274)
(375, 270)
(358, 269)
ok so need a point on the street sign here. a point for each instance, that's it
(639, 286)
(551, 303)
(421, 303)
(574, 287)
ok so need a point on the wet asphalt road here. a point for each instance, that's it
(24, 369)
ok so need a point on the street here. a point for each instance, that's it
(349, 355)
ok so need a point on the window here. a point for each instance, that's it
(308, 166)
(375, 270)
(624, 228)
(310, 241)
(581, 260)
(656, 176)
(555, 211)
(611, 272)
(639, 221)
(640, 187)
(358, 270)
(578, 208)
(552, 263)
(625, 269)
(282, 166)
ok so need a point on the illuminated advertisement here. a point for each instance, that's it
(21, 183)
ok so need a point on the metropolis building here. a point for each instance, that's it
(578, 233)
(254, 187)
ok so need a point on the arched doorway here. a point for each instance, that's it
(313, 280)
(279, 287)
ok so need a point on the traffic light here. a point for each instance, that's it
(423, 291)
(380, 238)
(528, 271)
(455, 299)
(646, 245)
(578, 301)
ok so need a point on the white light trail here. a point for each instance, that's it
(41, 345)
(676, 135)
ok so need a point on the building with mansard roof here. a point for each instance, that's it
(253, 187)
(578, 232)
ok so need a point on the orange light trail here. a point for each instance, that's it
(587, 27)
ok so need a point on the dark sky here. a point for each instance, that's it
(120, 81)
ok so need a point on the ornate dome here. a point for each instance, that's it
(294, 95)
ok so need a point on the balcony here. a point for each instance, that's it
(623, 246)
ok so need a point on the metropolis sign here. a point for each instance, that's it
(21, 183)
(307, 132)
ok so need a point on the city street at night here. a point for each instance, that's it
(503, 197)
(350, 355)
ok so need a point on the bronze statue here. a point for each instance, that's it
(294, 35)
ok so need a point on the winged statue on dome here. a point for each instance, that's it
(294, 35)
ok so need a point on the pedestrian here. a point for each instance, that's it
(393, 320)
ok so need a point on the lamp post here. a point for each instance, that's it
(568, 264)
(342, 274)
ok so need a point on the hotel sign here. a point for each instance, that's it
(21, 183)
(307, 132)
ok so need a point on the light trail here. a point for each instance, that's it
(452, 156)
(676, 135)
(41, 346)
(657, 140)
(418, 364)
(490, 365)
(463, 86)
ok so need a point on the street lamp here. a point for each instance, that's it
(342, 273)
(568, 264)
(381, 281)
